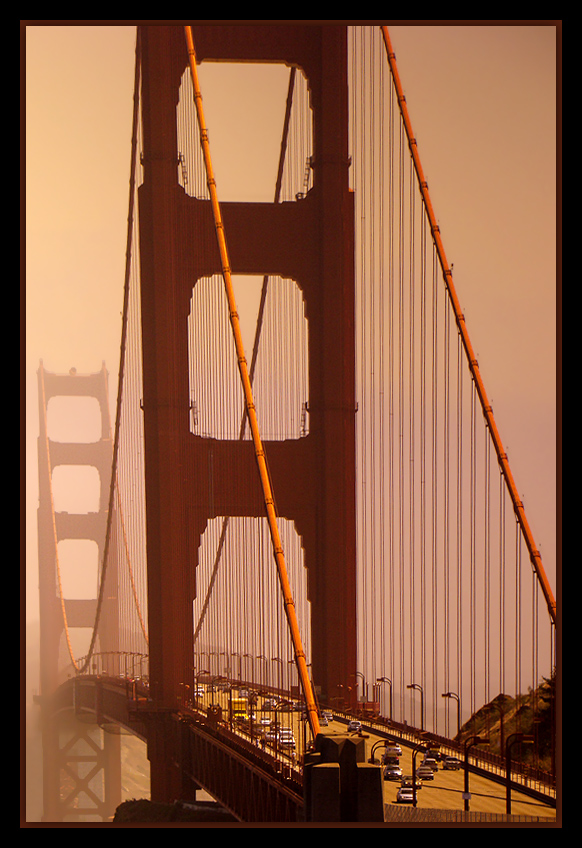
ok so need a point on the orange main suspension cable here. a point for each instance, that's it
(249, 403)
(518, 507)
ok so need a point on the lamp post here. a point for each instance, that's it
(458, 700)
(248, 679)
(342, 697)
(236, 654)
(471, 740)
(364, 687)
(500, 706)
(418, 747)
(389, 682)
(420, 689)
(196, 693)
(514, 739)
(381, 744)
(279, 676)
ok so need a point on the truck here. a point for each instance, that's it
(239, 709)
(368, 709)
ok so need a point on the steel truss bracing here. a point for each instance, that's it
(257, 534)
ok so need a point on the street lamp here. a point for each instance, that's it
(387, 680)
(458, 700)
(514, 739)
(420, 689)
(196, 684)
(364, 687)
(247, 678)
(279, 675)
(236, 654)
(501, 707)
(418, 747)
(381, 744)
(471, 740)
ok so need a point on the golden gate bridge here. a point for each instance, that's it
(313, 504)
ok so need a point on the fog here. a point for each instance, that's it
(482, 101)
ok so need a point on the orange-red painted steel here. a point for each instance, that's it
(310, 241)
(288, 601)
(460, 320)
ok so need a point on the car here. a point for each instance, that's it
(430, 761)
(392, 750)
(354, 726)
(405, 795)
(286, 739)
(451, 763)
(425, 773)
(327, 714)
(407, 781)
(392, 773)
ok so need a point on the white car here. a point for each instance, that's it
(286, 739)
(405, 795)
(354, 726)
(425, 772)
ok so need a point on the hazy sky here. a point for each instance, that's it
(482, 101)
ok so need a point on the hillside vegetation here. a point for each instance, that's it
(533, 714)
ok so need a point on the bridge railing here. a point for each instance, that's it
(523, 773)
(122, 664)
(133, 667)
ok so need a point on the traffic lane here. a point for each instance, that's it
(283, 718)
(445, 790)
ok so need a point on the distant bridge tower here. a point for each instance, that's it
(81, 763)
(310, 240)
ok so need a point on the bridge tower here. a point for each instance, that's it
(73, 750)
(311, 241)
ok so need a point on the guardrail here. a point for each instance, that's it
(488, 763)
(535, 781)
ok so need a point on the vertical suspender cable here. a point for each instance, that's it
(258, 331)
(113, 482)
(247, 389)
(473, 365)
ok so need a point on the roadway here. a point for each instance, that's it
(444, 792)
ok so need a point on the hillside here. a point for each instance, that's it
(533, 714)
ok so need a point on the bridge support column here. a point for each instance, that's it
(71, 750)
(339, 785)
(82, 769)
